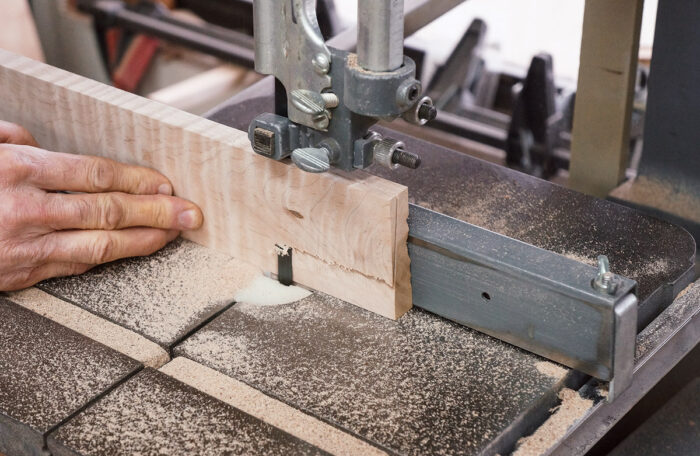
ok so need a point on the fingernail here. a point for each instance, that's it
(188, 220)
(165, 189)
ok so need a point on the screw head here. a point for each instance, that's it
(321, 64)
(321, 121)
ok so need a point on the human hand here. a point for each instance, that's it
(125, 211)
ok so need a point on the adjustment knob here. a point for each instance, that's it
(391, 153)
(312, 159)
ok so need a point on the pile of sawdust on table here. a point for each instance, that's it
(572, 408)
(551, 370)
(660, 195)
(263, 291)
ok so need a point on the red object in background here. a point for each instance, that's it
(113, 38)
(135, 63)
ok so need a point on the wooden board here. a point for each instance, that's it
(348, 230)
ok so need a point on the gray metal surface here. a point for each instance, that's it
(671, 135)
(380, 34)
(625, 336)
(671, 431)
(418, 14)
(660, 347)
(527, 296)
(289, 45)
(659, 256)
(332, 96)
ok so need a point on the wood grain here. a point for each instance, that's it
(348, 230)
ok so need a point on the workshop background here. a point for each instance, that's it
(504, 76)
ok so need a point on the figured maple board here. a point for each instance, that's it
(348, 230)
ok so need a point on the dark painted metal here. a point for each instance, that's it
(671, 134)
(459, 71)
(660, 347)
(535, 124)
(285, 273)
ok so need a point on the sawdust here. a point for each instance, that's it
(162, 296)
(272, 411)
(92, 326)
(572, 408)
(281, 249)
(661, 195)
(684, 307)
(48, 371)
(603, 390)
(549, 217)
(264, 291)
(419, 385)
(685, 290)
(581, 258)
(551, 370)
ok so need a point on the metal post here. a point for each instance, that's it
(380, 34)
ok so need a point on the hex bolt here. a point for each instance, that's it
(404, 158)
(605, 281)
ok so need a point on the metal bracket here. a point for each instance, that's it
(289, 45)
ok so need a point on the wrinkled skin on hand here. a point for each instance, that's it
(118, 211)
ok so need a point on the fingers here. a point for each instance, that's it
(31, 276)
(55, 171)
(51, 270)
(115, 211)
(98, 247)
(14, 134)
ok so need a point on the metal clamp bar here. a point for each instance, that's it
(529, 297)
